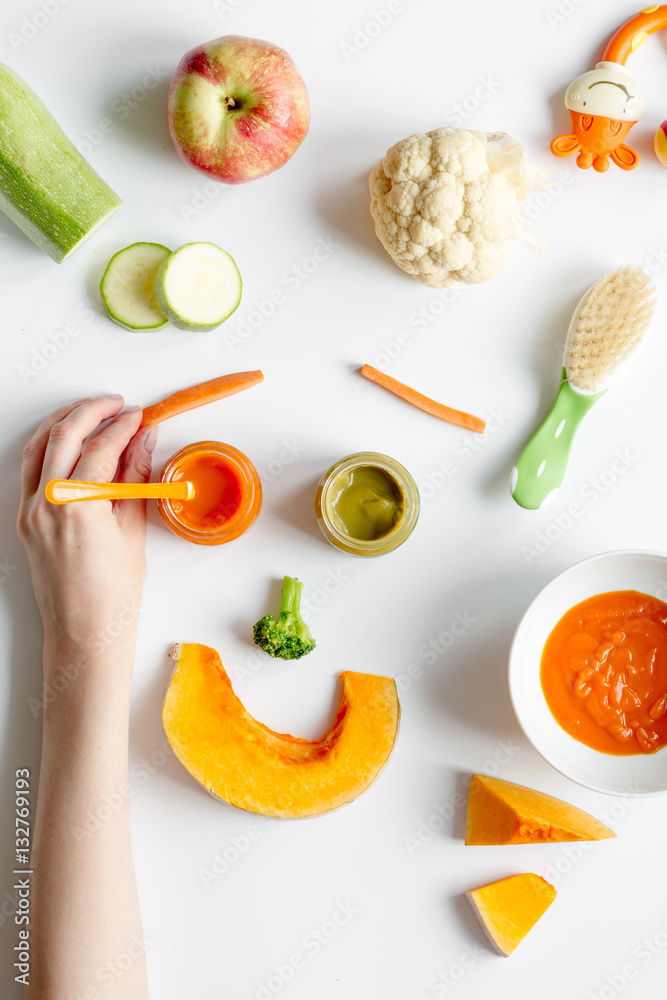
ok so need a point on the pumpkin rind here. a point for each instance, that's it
(248, 765)
(501, 812)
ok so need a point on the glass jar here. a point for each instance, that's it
(227, 493)
(367, 504)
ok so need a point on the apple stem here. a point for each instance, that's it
(230, 102)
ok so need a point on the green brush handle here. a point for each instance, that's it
(540, 470)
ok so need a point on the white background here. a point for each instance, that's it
(494, 351)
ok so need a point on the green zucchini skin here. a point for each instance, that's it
(46, 186)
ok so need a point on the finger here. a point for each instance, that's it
(33, 453)
(135, 467)
(136, 461)
(65, 442)
(99, 461)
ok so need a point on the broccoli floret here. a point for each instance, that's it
(286, 636)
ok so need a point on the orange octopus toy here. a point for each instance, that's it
(605, 103)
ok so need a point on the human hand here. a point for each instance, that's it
(87, 560)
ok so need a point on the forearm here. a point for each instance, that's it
(86, 932)
(87, 563)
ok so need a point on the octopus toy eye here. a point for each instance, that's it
(586, 122)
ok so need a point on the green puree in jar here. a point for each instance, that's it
(367, 502)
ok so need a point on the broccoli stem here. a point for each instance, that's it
(291, 599)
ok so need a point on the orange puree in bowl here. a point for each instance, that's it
(218, 491)
(604, 672)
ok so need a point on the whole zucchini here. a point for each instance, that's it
(46, 186)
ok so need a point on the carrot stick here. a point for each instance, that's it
(457, 417)
(198, 395)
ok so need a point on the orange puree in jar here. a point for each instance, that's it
(217, 495)
(604, 672)
(227, 493)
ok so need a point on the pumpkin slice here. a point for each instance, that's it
(246, 764)
(507, 909)
(500, 812)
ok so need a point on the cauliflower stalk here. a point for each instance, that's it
(447, 207)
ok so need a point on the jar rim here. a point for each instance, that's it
(240, 520)
(398, 533)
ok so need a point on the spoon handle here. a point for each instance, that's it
(60, 491)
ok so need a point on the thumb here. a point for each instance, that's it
(135, 467)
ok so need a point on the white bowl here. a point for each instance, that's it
(641, 774)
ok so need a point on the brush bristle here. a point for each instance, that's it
(610, 323)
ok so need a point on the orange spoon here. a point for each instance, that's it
(70, 491)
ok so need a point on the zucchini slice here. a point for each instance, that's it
(128, 286)
(198, 286)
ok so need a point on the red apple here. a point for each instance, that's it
(237, 108)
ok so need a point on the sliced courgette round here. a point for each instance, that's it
(128, 286)
(198, 286)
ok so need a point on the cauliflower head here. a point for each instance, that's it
(446, 204)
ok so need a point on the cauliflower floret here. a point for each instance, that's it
(446, 204)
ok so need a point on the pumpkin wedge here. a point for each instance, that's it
(509, 908)
(500, 812)
(246, 764)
